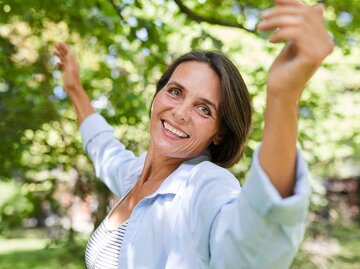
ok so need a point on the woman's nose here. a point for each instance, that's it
(181, 113)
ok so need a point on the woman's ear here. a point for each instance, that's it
(217, 139)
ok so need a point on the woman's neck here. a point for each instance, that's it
(158, 167)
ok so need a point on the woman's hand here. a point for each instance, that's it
(71, 82)
(308, 43)
(69, 65)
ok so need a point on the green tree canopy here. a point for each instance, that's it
(123, 47)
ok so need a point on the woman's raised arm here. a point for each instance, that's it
(308, 43)
(113, 163)
(72, 84)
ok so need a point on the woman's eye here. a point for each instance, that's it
(175, 92)
(205, 110)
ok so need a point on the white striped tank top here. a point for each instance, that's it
(103, 248)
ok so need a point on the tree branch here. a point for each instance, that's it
(196, 17)
(118, 9)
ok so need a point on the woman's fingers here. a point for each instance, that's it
(279, 10)
(288, 2)
(62, 48)
(58, 54)
(289, 13)
(292, 10)
(69, 65)
(276, 22)
(283, 34)
(293, 22)
(58, 51)
(60, 64)
(64, 53)
(320, 8)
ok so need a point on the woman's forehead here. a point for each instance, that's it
(198, 77)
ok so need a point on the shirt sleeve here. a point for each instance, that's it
(260, 229)
(114, 165)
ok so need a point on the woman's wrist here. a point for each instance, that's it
(285, 101)
(74, 90)
(83, 109)
(81, 103)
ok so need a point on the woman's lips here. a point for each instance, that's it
(173, 130)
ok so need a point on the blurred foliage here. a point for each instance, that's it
(123, 46)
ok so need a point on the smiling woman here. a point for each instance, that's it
(234, 119)
(179, 207)
(189, 104)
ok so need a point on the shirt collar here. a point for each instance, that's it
(173, 182)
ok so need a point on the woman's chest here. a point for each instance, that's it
(160, 232)
(124, 207)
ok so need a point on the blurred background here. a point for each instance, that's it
(50, 199)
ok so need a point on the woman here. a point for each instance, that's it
(178, 207)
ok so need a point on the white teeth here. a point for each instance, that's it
(174, 131)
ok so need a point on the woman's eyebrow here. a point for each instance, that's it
(177, 84)
(204, 100)
(209, 103)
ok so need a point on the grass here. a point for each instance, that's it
(331, 248)
(12, 245)
(41, 259)
(33, 250)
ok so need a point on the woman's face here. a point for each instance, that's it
(184, 119)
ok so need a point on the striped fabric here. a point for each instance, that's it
(103, 248)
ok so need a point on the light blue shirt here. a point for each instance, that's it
(200, 217)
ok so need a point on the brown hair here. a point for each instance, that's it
(235, 109)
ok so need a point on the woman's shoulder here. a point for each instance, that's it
(209, 169)
(208, 188)
(213, 179)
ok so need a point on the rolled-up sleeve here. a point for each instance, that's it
(260, 229)
(113, 163)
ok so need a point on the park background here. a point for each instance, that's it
(50, 199)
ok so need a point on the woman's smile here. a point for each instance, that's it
(173, 130)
